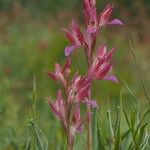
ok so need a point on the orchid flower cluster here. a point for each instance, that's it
(77, 91)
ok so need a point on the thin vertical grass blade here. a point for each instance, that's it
(27, 145)
(126, 117)
(138, 71)
(111, 131)
(118, 124)
(100, 141)
(128, 88)
(145, 141)
(141, 121)
(94, 129)
(142, 133)
(39, 142)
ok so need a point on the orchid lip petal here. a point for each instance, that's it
(91, 30)
(80, 129)
(112, 78)
(115, 22)
(68, 50)
(91, 103)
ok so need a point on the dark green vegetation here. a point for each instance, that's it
(29, 47)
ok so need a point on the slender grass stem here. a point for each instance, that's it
(138, 70)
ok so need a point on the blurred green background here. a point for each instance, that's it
(31, 41)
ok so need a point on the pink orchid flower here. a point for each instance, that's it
(102, 65)
(93, 20)
(77, 121)
(75, 37)
(60, 73)
(79, 90)
(58, 107)
(105, 16)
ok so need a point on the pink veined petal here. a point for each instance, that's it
(67, 67)
(69, 36)
(77, 34)
(105, 15)
(101, 51)
(83, 92)
(52, 75)
(109, 54)
(76, 78)
(54, 106)
(58, 68)
(67, 64)
(103, 72)
(112, 78)
(59, 95)
(92, 103)
(115, 22)
(68, 50)
(76, 115)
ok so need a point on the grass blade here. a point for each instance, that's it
(94, 129)
(100, 142)
(111, 131)
(139, 72)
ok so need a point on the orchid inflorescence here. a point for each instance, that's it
(78, 90)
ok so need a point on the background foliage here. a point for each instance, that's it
(31, 41)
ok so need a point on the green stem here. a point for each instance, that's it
(89, 123)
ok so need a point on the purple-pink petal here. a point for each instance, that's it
(79, 129)
(101, 51)
(112, 78)
(69, 50)
(92, 103)
(115, 22)
(91, 29)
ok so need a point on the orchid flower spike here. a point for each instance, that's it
(94, 20)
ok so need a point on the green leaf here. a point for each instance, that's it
(125, 134)
(142, 131)
(100, 141)
(141, 121)
(126, 117)
(118, 136)
(111, 131)
(145, 141)
(39, 142)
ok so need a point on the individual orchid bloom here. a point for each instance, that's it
(77, 121)
(60, 73)
(102, 65)
(79, 90)
(75, 37)
(93, 20)
(83, 87)
(105, 16)
(58, 107)
(90, 15)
